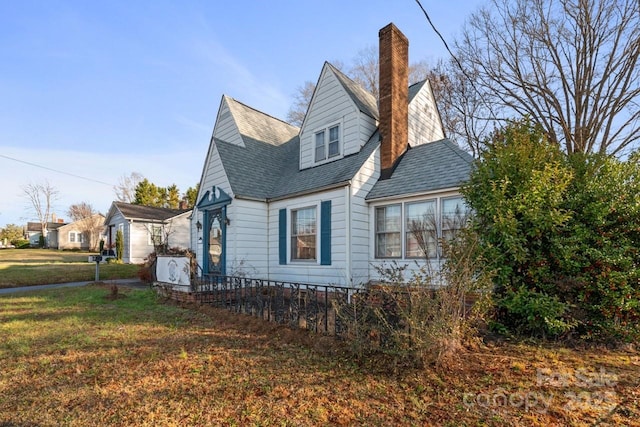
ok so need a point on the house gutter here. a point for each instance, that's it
(130, 239)
(416, 194)
(313, 191)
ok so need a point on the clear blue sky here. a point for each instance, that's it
(100, 89)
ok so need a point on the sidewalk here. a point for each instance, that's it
(132, 282)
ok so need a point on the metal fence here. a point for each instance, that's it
(311, 307)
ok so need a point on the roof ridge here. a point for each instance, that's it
(261, 112)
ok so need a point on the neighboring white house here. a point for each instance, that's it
(327, 202)
(146, 227)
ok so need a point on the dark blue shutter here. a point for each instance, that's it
(325, 233)
(282, 236)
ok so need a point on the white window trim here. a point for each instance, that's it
(77, 237)
(439, 197)
(290, 210)
(375, 232)
(150, 233)
(325, 129)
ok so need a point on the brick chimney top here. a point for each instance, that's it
(394, 97)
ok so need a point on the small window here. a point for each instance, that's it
(303, 234)
(421, 230)
(327, 143)
(320, 154)
(388, 231)
(334, 141)
(72, 237)
(79, 237)
(155, 235)
(454, 217)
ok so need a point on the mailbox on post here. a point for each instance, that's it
(97, 259)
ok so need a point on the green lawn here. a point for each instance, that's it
(26, 267)
(80, 357)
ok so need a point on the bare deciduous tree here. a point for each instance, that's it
(466, 116)
(125, 190)
(570, 65)
(159, 234)
(90, 223)
(41, 197)
(364, 70)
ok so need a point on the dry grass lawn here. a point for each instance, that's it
(76, 357)
(26, 267)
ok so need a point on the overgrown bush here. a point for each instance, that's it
(562, 233)
(21, 243)
(426, 318)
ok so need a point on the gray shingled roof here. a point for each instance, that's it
(267, 167)
(263, 171)
(364, 100)
(428, 167)
(260, 126)
(414, 89)
(147, 212)
(294, 181)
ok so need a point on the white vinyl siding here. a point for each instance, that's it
(310, 271)
(424, 119)
(331, 105)
(247, 236)
(226, 128)
(361, 219)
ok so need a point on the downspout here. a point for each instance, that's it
(347, 203)
(268, 241)
(130, 245)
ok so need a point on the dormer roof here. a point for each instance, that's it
(363, 99)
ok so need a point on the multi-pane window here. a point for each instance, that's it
(75, 237)
(334, 141)
(421, 229)
(320, 154)
(425, 224)
(327, 143)
(155, 235)
(303, 234)
(454, 216)
(388, 231)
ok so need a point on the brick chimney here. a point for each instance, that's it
(394, 97)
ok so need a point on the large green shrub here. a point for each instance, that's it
(562, 234)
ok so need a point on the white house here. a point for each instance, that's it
(145, 227)
(327, 202)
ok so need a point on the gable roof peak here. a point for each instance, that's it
(364, 100)
(258, 125)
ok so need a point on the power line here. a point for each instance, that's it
(446, 46)
(56, 170)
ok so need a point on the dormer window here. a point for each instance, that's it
(327, 143)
